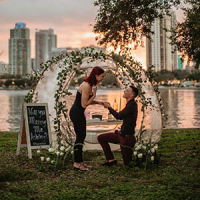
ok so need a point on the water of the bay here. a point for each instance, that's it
(182, 105)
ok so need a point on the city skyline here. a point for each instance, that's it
(160, 52)
(19, 50)
(72, 22)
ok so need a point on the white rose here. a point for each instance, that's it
(48, 159)
(61, 153)
(38, 151)
(140, 155)
(156, 147)
(152, 158)
(67, 149)
(62, 148)
(135, 153)
(72, 152)
(144, 147)
(53, 161)
(152, 150)
(138, 148)
(57, 153)
(42, 159)
(62, 142)
(51, 150)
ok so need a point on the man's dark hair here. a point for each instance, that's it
(135, 90)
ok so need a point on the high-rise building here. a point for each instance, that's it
(3, 68)
(159, 51)
(44, 41)
(20, 50)
(180, 62)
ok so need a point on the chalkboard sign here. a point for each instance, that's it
(35, 127)
(38, 126)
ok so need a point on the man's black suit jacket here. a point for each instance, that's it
(129, 117)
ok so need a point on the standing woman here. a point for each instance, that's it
(85, 96)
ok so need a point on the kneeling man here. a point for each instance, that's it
(125, 136)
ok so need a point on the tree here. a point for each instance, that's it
(195, 76)
(187, 34)
(164, 75)
(8, 83)
(109, 79)
(20, 82)
(180, 74)
(122, 22)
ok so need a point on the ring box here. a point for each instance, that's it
(97, 116)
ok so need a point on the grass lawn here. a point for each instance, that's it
(176, 177)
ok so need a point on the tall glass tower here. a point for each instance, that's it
(159, 51)
(20, 50)
(45, 40)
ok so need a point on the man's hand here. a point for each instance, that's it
(106, 105)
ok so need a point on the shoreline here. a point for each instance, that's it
(164, 129)
(160, 88)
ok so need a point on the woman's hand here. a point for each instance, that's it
(94, 90)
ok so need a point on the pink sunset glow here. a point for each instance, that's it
(71, 21)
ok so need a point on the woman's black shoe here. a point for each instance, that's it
(109, 163)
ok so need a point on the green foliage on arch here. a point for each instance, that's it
(128, 70)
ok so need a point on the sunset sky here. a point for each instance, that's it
(71, 21)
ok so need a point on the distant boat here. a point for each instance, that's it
(187, 84)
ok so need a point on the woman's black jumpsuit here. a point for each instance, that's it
(78, 118)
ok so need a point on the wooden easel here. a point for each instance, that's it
(24, 134)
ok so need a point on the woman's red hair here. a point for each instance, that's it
(91, 79)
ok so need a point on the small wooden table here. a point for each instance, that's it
(103, 122)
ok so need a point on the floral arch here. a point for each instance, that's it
(53, 82)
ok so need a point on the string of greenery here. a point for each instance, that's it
(128, 71)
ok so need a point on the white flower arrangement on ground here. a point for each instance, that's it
(145, 153)
(55, 157)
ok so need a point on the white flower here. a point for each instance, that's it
(136, 144)
(48, 159)
(156, 147)
(67, 149)
(53, 161)
(152, 150)
(51, 150)
(144, 147)
(138, 148)
(61, 153)
(62, 148)
(62, 142)
(57, 153)
(72, 152)
(135, 153)
(42, 159)
(152, 158)
(38, 151)
(140, 155)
